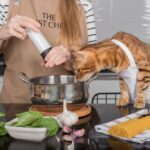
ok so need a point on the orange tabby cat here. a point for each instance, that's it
(122, 53)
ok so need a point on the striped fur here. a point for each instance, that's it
(93, 58)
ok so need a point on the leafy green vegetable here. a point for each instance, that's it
(2, 114)
(27, 118)
(49, 123)
(3, 131)
(36, 123)
(36, 119)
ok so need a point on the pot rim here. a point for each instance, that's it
(59, 84)
(44, 80)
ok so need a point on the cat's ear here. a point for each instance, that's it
(77, 54)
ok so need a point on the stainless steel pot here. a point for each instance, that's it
(54, 89)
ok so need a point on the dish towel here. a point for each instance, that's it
(140, 138)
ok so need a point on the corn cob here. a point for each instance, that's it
(130, 128)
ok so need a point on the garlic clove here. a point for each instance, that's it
(67, 138)
(79, 133)
(67, 118)
(80, 140)
(66, 129)
(68, 121)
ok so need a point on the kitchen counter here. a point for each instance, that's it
(91, 140)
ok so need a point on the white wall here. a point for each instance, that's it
(131, 16)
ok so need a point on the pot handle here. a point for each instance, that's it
(25, 78)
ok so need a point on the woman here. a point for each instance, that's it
(65, 24)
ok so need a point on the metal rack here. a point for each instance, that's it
(106, 98)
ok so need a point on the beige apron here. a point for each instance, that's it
(22, 56)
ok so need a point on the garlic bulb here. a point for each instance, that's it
(67, 118)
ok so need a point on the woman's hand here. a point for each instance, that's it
(16, 27)
(57, 56)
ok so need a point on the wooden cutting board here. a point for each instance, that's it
(81, 110)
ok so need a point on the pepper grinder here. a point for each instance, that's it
(40, 42)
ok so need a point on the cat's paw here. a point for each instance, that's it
(139, 104)
(122, 102)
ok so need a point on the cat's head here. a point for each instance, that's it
(84, 64)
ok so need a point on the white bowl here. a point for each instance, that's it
(24, 133)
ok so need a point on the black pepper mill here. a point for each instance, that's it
(40, 42)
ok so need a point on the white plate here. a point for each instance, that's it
(24, 133)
